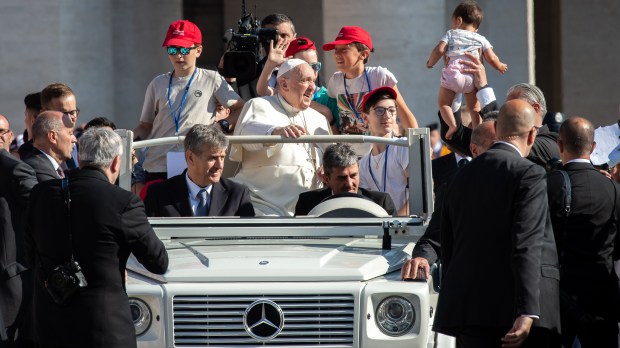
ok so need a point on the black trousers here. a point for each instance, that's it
(591, 334)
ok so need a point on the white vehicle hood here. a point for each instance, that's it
(277, 259)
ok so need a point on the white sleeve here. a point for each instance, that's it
(485, 96)
(446, 37)
(149, 108)
(485, 43)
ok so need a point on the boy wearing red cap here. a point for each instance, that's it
(384, 168)
(301, 48)
(353, 80)
(187, 95)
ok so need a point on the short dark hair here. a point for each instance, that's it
(577, 135)
(277, 19)
(98, 122)
(470, 12)
(53, 91)
(361, 47)
(375, 98)
(200, 135)
(338, 155)
(33, 101)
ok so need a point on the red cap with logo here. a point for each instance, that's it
(381, 90)
(182, 33)
(299, 44)
(348, 35)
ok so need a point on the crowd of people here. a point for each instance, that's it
(546, 234)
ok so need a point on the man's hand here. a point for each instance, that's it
(290, 131)
(476, 68)
(410, 268)
(519, 332)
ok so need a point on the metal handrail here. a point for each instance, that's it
(418, 141)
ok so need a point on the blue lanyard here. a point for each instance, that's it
(387, 149)
(349, 101)
(177, 117)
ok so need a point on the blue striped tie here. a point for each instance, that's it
(201, 209)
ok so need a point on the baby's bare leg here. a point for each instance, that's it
(444, 100)
(474, 106)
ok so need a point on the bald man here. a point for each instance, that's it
(6, 135)
(495, 222)
(587, 238)
(53, 143)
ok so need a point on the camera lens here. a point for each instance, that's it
(57, 280)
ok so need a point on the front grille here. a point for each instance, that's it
(309, 320)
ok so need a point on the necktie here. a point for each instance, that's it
(462, 162)
(61, 174)
(202, 208)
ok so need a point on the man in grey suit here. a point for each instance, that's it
(495, 222)
(200, 190)
(53, 144)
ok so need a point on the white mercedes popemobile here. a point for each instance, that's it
(327, 280)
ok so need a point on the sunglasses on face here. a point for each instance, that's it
(173, 51)
(316, 66)
(4, 131)
(380, 111)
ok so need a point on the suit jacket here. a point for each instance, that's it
(587, 237)
(107, 224)
(544, 149)
(41, 165)
(310, 199)
(171, 198)
(17, 181)
(443, 168)
(497, 246)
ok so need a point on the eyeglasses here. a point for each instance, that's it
(380, 111)
(4, 131)
(173, 51)
(72, 113)
(537, 128)
(316, 66)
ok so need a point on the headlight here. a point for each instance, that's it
(395, 316)
(140, 314)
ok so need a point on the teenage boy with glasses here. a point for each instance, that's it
(187, 95)
(385, 167)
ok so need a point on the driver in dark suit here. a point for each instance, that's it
(341, 172)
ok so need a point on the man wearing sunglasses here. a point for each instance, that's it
(187, 95)
(60, 97)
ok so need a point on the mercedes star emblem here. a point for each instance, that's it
(263, 320)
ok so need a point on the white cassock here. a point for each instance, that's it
(276, 174)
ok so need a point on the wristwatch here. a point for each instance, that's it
(225, 126)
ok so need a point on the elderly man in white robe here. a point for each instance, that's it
(277, 173)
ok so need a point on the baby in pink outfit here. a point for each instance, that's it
(461, 39)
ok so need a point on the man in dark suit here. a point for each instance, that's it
(444, 167)
(587, 237)
(545, 147)
(32, 102)
(17, 181)
(100, 228)
(426, 250)
(183, 195)
(53, 142)
(341, 172)
(495, 222)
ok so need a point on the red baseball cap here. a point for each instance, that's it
(182, 33)
(348, 35)
(374, 92)
(299, 44)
